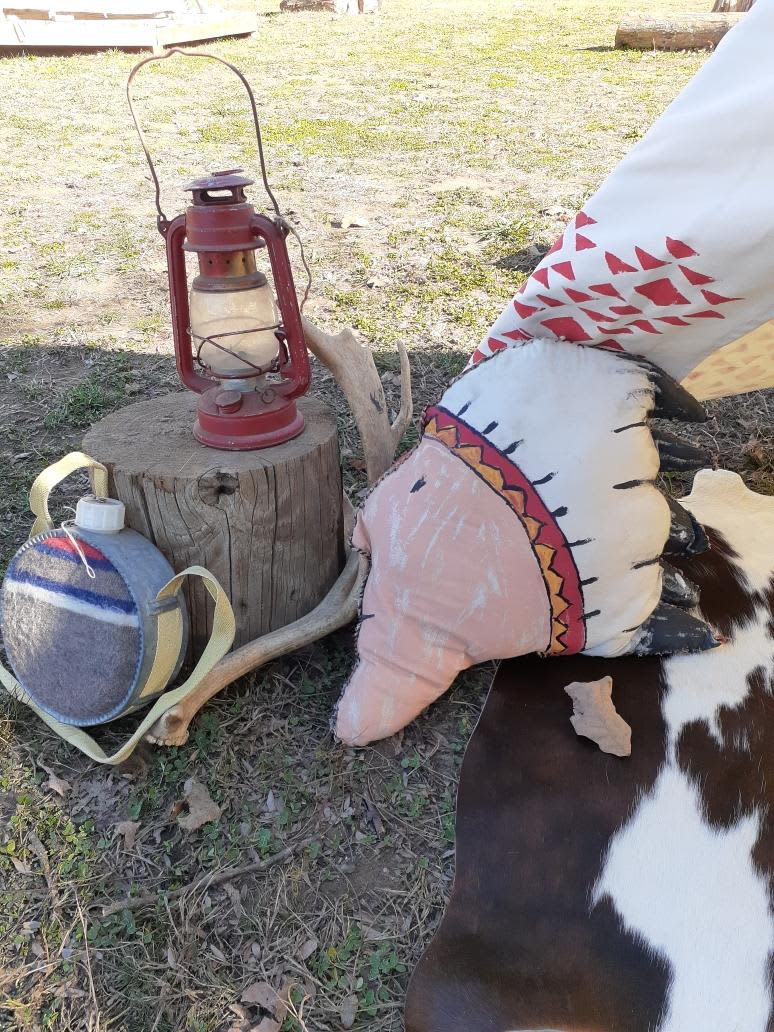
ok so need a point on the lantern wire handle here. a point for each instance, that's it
(161, 219)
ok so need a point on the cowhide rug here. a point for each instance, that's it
(597, 894)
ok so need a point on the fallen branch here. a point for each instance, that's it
(206, 881)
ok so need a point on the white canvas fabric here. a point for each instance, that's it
(673, 257)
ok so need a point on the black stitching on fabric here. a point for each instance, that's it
(490, 428)
(513, 447)
(628, 484)
(646, 562)
(629, 426)
(418, 485)
(543, 480)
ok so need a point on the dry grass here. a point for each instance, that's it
(461, 135)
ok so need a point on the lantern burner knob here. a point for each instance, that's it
(229, 401)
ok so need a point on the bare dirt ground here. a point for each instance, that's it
(428, 157)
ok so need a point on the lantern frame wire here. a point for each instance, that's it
(161, 219)
(271, 367)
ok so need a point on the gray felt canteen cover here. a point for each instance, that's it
(83, 632)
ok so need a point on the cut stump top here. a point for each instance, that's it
(155, 438)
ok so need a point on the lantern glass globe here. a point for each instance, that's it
(242, 322)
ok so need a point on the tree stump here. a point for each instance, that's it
(733, 5)
(268, 523)
(673, 32)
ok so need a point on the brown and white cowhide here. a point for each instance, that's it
(597, 894)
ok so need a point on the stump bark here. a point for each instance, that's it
(673, 32)
(268, 524)
(733, 5)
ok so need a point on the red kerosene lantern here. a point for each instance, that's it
(243, 351)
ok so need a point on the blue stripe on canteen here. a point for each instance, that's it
(83, 631)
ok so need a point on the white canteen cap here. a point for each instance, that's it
(103, 515)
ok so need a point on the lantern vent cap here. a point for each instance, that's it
(228, 179)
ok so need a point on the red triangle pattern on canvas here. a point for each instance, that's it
(541, 275)
(557, 246)
(662, 292)
(582, 219)
(495, 345)
(525, 311)
(678, 249)
(478, 356)
(577, 295)
(611, 345)
(619, 330)
(564, 269)
(517, 335)
(566, 327)
(696, 279)
(718, 299)
(583, 243)
(643, 324)
(625, 310)
(616, 265)
(706, 315)
(672, 320)
(552, 302)
(648, 261)
(597, 316)
(607, 289)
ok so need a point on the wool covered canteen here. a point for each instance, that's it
(93, 619)
(84, 631)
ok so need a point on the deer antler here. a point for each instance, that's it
(352, 365)
(337, 609)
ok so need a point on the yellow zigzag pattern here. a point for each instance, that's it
(472, 456)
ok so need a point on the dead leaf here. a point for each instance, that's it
(266, 1025)
(201, 807)
(218, 954)
(129, 830)
(348, 1011)
(595, 716)
(283, 999)
(21, 865)
(260, 994)
(755, 452)
(58, 785)
(308, 948)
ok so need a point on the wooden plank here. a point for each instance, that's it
(27, 9)
(211, 26)
(122, 33)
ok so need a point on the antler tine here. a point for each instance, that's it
(337, 609)
(352, 366)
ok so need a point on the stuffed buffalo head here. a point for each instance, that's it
(528, 518)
